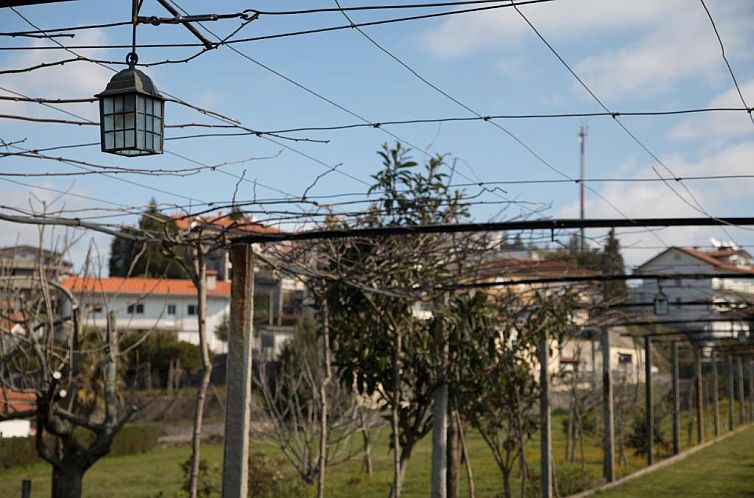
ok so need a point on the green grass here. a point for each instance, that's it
(722, 470)
(147, 474)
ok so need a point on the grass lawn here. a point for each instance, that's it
(145, 475)
(722, 470)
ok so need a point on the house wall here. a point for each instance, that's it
(15, 428)
(156, 315)
(685, 290)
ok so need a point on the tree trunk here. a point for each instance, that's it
(454, 455)
(323, 428)
(200, 267)
(395, 491)
(367, 462)
(66, 482)
(465, 458)
(507, 484)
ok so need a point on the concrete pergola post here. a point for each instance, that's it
(741, 400)
(649, 400)
(751, 390)
(607, 403)
(699, 392)
(715, 395)
(238, 384)
(731, 397)
(546, 422)
(676, 402)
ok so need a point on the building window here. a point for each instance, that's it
(624, 358)
(191, 310)
(97, 308)
(137, 309)
(171, 309)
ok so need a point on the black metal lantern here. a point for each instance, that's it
(661, 304)
(131, 115)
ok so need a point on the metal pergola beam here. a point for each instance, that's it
(19, 3)
(547, 224)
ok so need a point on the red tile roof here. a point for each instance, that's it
(13, 402)
(224, 221)
(533, 268)
(710, 258)
(141, 286)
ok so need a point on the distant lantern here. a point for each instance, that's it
(661, 304)
(131, 114)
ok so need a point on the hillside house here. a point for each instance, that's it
(720, 299)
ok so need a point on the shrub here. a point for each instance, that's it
(269, 482)
(637, 436)
(133, 439)
(573, 479)
(208, 483)
(17, 451)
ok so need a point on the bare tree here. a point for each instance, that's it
(73, 377)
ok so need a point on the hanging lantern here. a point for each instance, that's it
(131, 114)
(661, 304)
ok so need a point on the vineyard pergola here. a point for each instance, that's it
(239, 366)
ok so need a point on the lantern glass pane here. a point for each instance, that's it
(150, 142)
(142, 139)
(109, 140)
(156, 125)
(109, 123)
(130, 138)
(118, 104)
(128, 102)
(118, 139)
(107, 105)
(118, 121)
(140, 121)
(129, 122)
(158, 109)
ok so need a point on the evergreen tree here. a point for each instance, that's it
(153, 262)
(612, 264)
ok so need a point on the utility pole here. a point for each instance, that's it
(440, 411)
(607, 405)
(582, 187)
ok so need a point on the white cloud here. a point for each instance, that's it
(71, 80)
(639, 48)
(646, 200)
(719, 125)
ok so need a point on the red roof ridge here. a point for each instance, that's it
(707, 257)
(141, 286)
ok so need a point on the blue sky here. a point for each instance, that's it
(636, 56)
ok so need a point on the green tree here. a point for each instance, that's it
(612, 264)
(494, 343)
(131, 258)
(380, 344)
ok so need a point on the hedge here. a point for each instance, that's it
(129, 441)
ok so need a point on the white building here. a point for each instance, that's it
(146, 304)
(702, 300)
(12, 402)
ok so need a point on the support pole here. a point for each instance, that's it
(607, 403)
(715, 395)
(699, 391)
(440, 415)
(544, 413)
(751, 390)
(731, 397)
(741, 401)
(676, 403)
(649, 400)
(238, 385)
